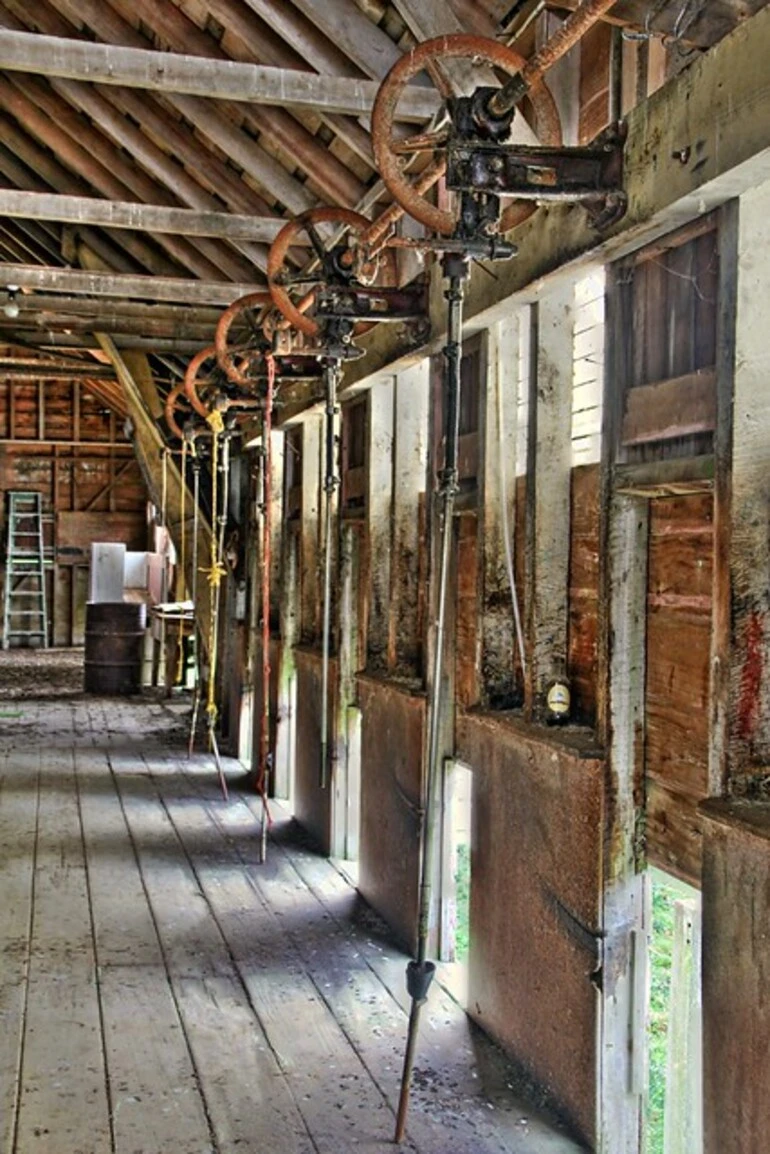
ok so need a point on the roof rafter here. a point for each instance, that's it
(150, 288)
(196, 76)
(131, 215)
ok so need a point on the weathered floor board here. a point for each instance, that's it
(161, 991)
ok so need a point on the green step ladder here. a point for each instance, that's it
(25, 613)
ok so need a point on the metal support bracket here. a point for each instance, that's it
(590, 175)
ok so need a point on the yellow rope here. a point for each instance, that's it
(163, 485)
(216, 570)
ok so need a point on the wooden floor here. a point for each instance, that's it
(161, 991)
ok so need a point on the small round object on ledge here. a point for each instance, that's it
(558, 697)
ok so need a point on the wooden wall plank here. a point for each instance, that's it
(673, 408)
(678, 684)
(584, 591)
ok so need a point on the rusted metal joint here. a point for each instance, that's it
(473, 116)
(419, 976)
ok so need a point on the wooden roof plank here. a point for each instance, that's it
(292, 141)
(343, 22)
(221, 132)
(85, 152)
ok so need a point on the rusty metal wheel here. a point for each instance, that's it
(237, 357)
(207, 389)
(177, 406)
(202, 388)
(347, 256)
(390, 151)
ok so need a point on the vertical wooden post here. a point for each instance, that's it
(348, 643)
(40, 411)
(410, 458)
(750, 497)
(736, 846)
(287, 680)
(379, 505)
(621, 1034)
(497, 506)
(548, 490)
(76, 412)
(311, 553)
(113, 438)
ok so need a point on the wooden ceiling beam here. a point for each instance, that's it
(31, 168)
(54, 161)
(164, 172)
(32, 236)
(218, 178)
(137, 287)
(43, 372)
(155, 177)
(172, 72)
(293, 28)
(95, 307)
(76, 144)
(271, 176)
(113, 322)
(87, 343)
(131, 215)
(23, 360)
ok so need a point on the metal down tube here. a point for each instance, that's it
(194, 596)
(420, 972)
(574, 27)
(331, 370)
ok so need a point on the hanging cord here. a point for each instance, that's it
(331, 482)
(182, 582)
(194, 596)
(420, 972)
(214, 574)
(265, 757)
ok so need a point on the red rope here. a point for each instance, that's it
(267, 461)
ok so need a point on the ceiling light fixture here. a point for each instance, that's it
(11, 306)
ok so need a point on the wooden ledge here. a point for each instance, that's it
(745, 816)
(576, 740)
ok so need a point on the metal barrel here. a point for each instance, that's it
(114, 647)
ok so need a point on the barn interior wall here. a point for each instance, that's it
(540, 868)
(61, 441)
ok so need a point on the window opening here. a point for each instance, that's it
(354, 463)
(293, 474)
(674, 1103)
(669, 301)
(456, 941)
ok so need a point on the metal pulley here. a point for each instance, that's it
(477, 150)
